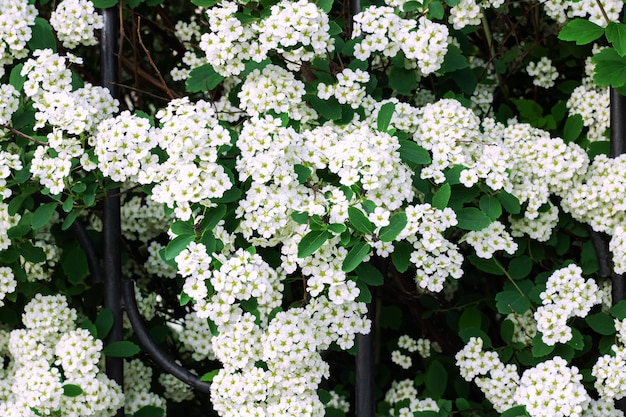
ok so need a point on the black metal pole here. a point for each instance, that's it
(365, 387)
(111, 208)
(618, 147)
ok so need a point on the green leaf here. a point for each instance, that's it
(312, 242)
(205, 3)
(619, 310)
(511, 302)
(176, 246)
(369, 274)
(396, 225)
(203, 78)
(435, 10)
(401, 256)
(184, 298)
(18, 231)
(360, 222)
(149, 411)
(16, 79)
(355, 256)
(213, 217)
(384, 116)
(42, 215)
(520, 267)
(300, 217)
(337, 228)
(42, 36)
(517, 411)
(303, 173)
(601, 323)
(411, 152)
(121, 349)
(529, 110)
(471, 218)
(616, 34)
(539, 348)
(442, 197)
(71, 390)
(104, 323)
(509, 202)
(577, 341)
(74, 264)
(582, 31)
(31, 253)
(325, 5)
(208, 377)
(491, 206)
(486, 265)
(610, 68)
(454, 60)
(436, 379)
(507, 330)
(69, 219)
(471, 317)
(182, 228)
(573, 127)
(402, 80)
(330, 109)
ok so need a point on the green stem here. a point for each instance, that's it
(606, 17)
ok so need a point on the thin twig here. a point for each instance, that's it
(23, 135)
(156, 69)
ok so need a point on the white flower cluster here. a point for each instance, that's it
(137, 384)
(75, 22)
(382, 30)
(617, 246)
(43, 271)
(465, 13)
(189, 33)
(539, 228)
(552, 389)
(175, 389)
(49, 353)
(561, 10)
(435, 257)
(9, 103)
(592, 103)
(297, 30)
(610, 373)
(405, 390)
(276, 89)
(155, 265)
(143, 218)
(8, 162)
(16, 19)
(598, 199)
(338, 401)
(196, 337)
(567, 295)
(543, 71)
(349, 89)
(8, 283)
(491, 239)
(6, 222)
(525, 326)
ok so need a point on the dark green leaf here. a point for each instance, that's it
(205, 3)
(42, 215)
(509, 202)
(149, 411)
(229, 196)
(355, 256)
(396, 225)
(491, 206)
(16, 79)
(619, 310)
(184, 298)
(325, 5)
(442, 196)
(582, 31)
(402, 80)
(18, 231)
(384, 116)
(435, 10)
(330, 109)
(121, 349)
(31, 253)
(601, 323)
(42, 36)
(300, 217)
(401, 256)
(369, 274)
(176, 246)
(469, 332)
(486, 265)
(610, 68)
(539, 348)
(213, 217)
(573, 127)
(471, 317)
(104, 323)
(365, 295)
(311, 242)
(512, 302)
(507, 329)
(337, 228)
(360, 222)
(516, 411)
(69, 219)
(529, 110)
(577, 341)
(616, 34)
(454, 59)
(303, 172)
(436, 379)
(74, 264)
(471, 218)
(203, 78)
(411, 152)
(520, 267)
(182, 228)
(71, 390)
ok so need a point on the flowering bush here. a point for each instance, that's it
(296, 175)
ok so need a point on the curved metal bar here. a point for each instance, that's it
(160, 357)
(92, 257)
